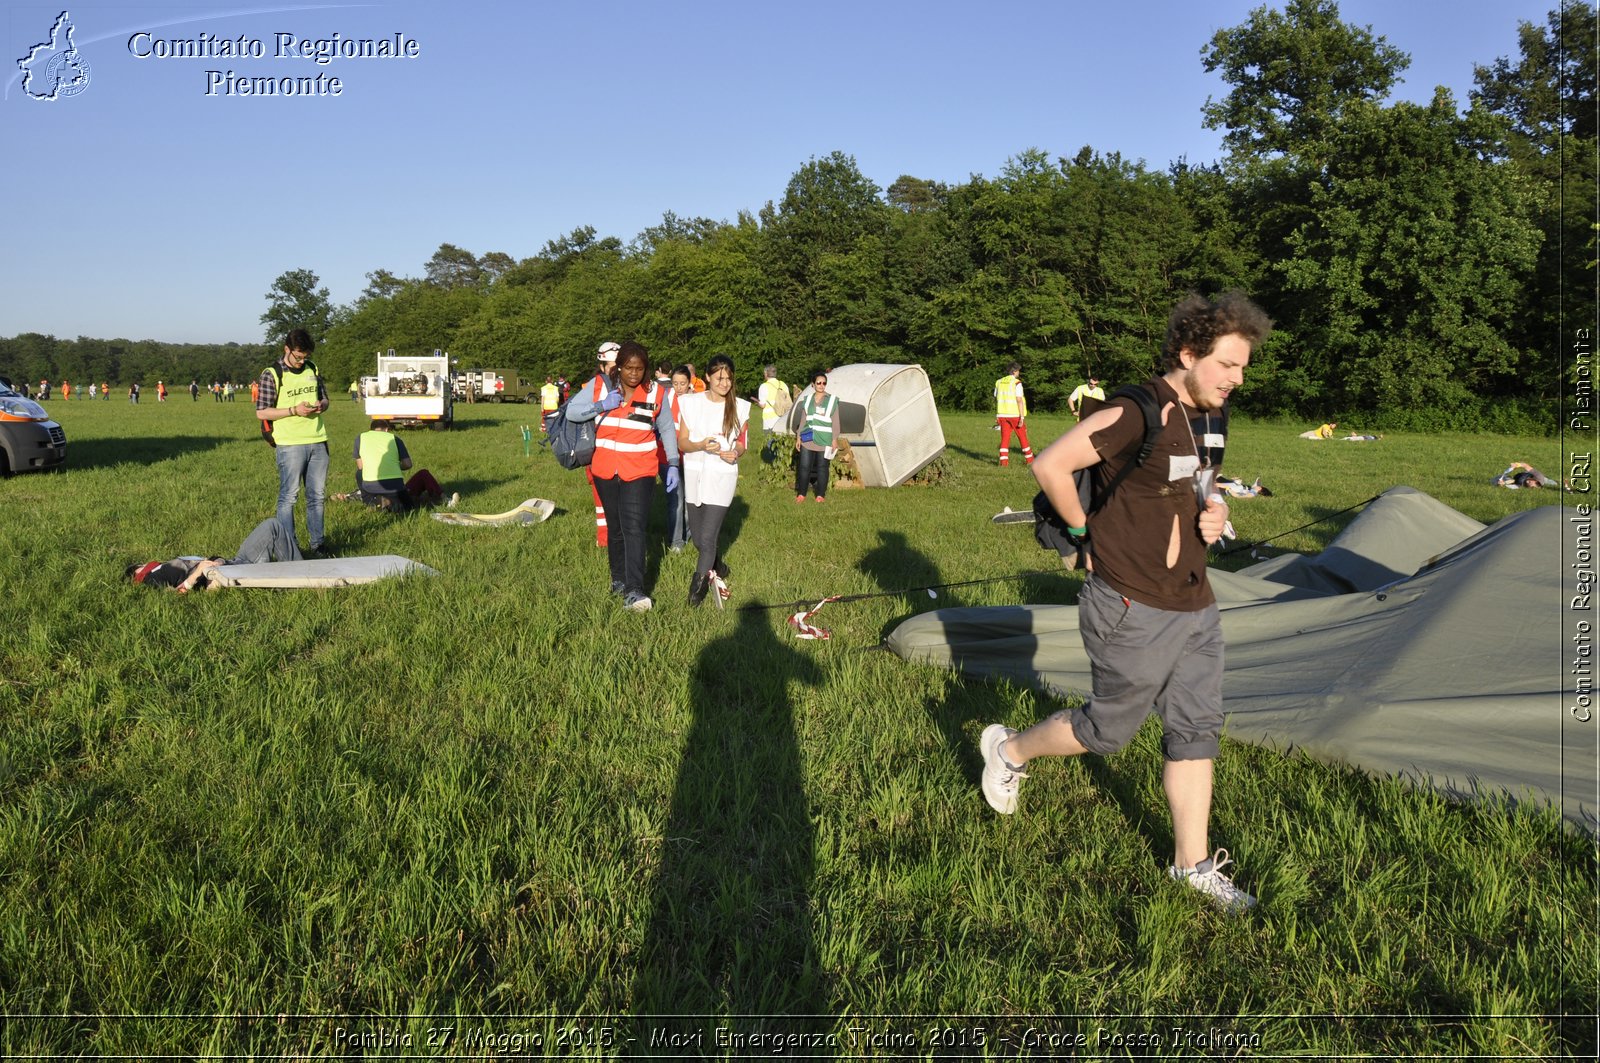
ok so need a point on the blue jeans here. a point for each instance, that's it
(627, 505)
(813, 466)
(677, 530)
(308, 462)
(270, 541)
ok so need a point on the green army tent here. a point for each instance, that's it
(1418, 643)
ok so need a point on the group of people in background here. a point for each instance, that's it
(224, 391)
(68, 391)
(221, 391)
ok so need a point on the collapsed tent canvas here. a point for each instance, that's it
(321, 572)
(1418, 643)
(530, 511)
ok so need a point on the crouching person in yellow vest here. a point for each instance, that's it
(380, 459)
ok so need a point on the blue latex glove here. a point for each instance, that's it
(612, 400)
(672, 478)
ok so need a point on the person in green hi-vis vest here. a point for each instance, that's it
(818, 431)
(290, 401)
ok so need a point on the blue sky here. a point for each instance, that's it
(143, 208)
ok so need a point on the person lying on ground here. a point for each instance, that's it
(1357, 437)
(1239, 489)
(270, 541)
(1520, 474)
(1322, 432)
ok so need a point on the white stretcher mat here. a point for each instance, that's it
(322, 572)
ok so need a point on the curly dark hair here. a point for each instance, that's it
(299, 340)
(1197, 323)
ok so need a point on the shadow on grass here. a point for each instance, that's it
(463, 421)
(137, 450)
(1120, 778)
(1050, 588)
(974, 455)
(900, 571)
(730, 931)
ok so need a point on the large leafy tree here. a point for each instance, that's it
(1400, 243)
(1294, 73)
(823, 246)
(453, 267)
(705, 294)
(1549, 91)
(1546, 98)
(1412, 262)
(297, 299)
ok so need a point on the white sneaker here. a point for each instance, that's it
(455, 496)
(1207, 877)
(1000, 780)
(719, 590)
(638, 604)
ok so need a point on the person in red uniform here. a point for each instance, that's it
(634, 418)
(604, 380)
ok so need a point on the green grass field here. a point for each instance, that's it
(492, 813)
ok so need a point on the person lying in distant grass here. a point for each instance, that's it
(270, 541)
(1520, 474)
(1235, 488)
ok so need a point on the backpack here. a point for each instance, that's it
(781, 402)
(572, 441)
(1049, 527)
(277, 377)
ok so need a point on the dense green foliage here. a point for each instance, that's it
(256, 822)
(1424, 264)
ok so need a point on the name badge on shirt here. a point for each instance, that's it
(1214, 441)
(1182, 467)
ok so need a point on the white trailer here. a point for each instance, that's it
(888, 414)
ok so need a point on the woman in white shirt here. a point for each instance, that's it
(713, 432)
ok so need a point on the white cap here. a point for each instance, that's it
(608, 351)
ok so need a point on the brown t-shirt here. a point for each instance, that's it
(1129, 536)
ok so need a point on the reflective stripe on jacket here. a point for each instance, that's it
(625, 439)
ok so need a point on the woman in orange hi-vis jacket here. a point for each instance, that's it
(633, 418)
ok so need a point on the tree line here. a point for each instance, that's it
(1425, 263)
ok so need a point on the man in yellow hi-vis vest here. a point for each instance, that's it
(290, 400)
(1011, 410)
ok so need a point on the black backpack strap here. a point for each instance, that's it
(1151, 409)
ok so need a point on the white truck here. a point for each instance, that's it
(412, 390)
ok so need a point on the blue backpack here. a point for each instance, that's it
(572, 441)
